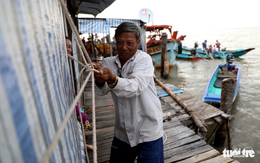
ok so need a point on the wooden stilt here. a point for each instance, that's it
(227, 95)
(164, 59)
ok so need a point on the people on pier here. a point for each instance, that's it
(218, 45)
(138, 114)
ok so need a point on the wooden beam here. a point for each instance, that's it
(201, 157)
(219, 159)
(164, 59)
(184, 105)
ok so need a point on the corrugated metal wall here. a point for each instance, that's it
(35, 85)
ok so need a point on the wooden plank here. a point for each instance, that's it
(201, 157)
(181, 142)
(176, 130)
(198, 105)
(187, 97)
(100, 141)
(189, 154)
(187, 122)
(175, 106)
(102, 131)
(167, 99)
(170, 112)
(191, 102)
(235, 161)
(183, 149)
(171, 124)
(182, 135)
(105, 124)
(109, 116)
(218, 159)
(209, 115)
(166, 106)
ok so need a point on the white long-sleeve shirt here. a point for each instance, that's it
(138, 113)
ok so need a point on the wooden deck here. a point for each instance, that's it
(182, 144)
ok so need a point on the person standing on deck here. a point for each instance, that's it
(204, 45)
(218, 45)
(138, 114)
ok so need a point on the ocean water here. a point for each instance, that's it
(193, 76)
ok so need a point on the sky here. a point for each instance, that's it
(189, 14)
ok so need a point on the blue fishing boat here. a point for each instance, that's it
(154, 43)
(223, 53)
(187, 55)
(155, 52)
(193, 54)
(237, 53)
(213, 90)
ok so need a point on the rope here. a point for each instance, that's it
(94, 121)
(82, 126)
(57, 135)
(56, 138)
(88, 68)
(74, 30)
(165, 138)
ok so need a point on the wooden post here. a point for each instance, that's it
(164, 59)
(227, 95)
(182, 104)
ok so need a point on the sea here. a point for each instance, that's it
(193, 77)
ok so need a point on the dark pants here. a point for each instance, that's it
(148, 152)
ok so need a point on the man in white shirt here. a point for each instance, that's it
(139, 120)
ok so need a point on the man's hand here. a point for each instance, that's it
(105, 75)
(98, 76)
(108, 76)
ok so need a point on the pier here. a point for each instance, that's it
(183, 140)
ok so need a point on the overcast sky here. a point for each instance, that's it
(190, 14)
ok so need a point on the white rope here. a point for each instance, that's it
(94, 121)
(165, 138)
(56, 138)
(75, 31)
(72, 108)
(82, 125)
(88, 68)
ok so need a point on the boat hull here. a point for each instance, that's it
(188, 57)
(223, 54)
(213, 89)
(155, 52)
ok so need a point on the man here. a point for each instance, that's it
(138, 114)
(218, 45)
(204, 45)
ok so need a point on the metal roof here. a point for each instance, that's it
(93, 7)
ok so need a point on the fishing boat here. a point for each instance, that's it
(154, 43)
(224, 53)
(187, 55)
(212, 94)
(239, 52)
(193, 55)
